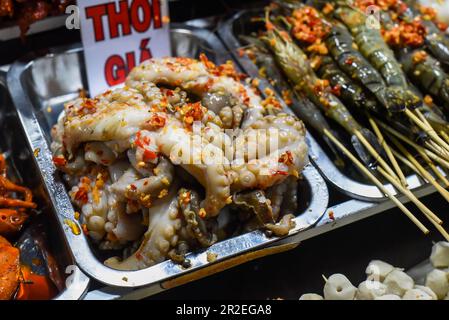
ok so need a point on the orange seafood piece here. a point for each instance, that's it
(9, 269)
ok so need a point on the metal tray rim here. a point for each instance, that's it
(162, 271)
(78, 288)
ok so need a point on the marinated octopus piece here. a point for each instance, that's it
(203, 79)
(256, 202)
(108, 217)
(113, 116)
(121, 150)
(338, 287)
(160, 237)
(282, 139)
(276, 196)
(196, 227)
(202, 160)
(284, 226)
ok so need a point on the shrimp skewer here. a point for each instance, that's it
(373, 47)
(300, 104)
(435, 39)
(295, 65)
(427, 72)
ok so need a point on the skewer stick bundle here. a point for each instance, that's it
(445, 136)
(427, 128)
(376, 155)
(427, 155)
(379, 184)
(417, 167)
(427, 212)
(388, 151)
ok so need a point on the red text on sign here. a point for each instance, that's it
(138, 15)
(117, 68)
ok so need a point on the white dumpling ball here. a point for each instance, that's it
(440, 255)
(398, 282)
(369, 290)
(377, 270)
(311, 296)
(388, 297)
(419, 294)
(438, 282)
(338, 287)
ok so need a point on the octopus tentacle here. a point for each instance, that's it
(148, 188)
(283, 227)
(160, 237)
(257, 202)
(119, 151)
(276, 196)
(193, 153)
(190, 207)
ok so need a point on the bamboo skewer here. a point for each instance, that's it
(376, 155)
(437, 149)
(427, 128)
(442, 231)
(421, 117)
(445, 136)
(426, 154)
(427, 212)
(405, 161)
(442, 151)
(376, 182)
(416, 166)
(442, 133)
(388, 151)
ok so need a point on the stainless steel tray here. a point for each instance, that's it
(41, 84)
(239, 25)
(13, 143)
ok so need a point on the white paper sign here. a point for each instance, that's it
(118, 35)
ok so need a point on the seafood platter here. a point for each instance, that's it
(285, 123)
(178, 246)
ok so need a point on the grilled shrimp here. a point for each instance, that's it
(427, 73)
(376, 51)
(354, 64)
(293, 62)
(435, 39)
(348, 90)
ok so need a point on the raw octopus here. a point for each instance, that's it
(121, 151)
